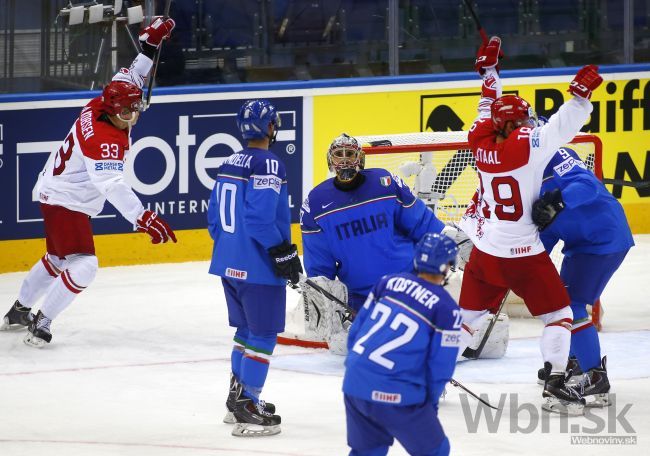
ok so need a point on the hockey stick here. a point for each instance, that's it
(474, 354)
(634, 184)
(327, 294)
(457, 384)
(156, 59)
(479, 27)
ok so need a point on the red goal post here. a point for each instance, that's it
(440, 169)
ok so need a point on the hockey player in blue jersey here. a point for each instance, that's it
(402, 351)
(249, 221)
(362, 223)
(575, 207)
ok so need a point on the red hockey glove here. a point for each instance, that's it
(150, 223)
(585, 82)
(488, 55)
(157, 31)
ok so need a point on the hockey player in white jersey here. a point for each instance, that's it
(77, 180)
(511, 152)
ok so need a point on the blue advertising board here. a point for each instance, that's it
(176, 148)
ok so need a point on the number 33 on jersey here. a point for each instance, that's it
(405, 337)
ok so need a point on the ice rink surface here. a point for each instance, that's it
(139, 366)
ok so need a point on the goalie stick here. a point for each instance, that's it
(156, 59)
(474, 354)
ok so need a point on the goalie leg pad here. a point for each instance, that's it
(497, 343)
(324, 318)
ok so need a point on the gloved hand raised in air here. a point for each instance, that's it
(547, 208)
(157, 31)
(488, 55)
(585, 82)
(149, 222)
(286, 262)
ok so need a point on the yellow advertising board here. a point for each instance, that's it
(621, 119)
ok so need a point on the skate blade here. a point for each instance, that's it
(597, 400)
(34, 341)
(229, 418)
(555, 405)
(254, 430)
(6, 326)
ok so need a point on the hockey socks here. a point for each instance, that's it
(80, 272)
(556, 338)
(255, 364)
(39, 279)
(585, 344)
(239, 344)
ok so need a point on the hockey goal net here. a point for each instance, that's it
(440, 169)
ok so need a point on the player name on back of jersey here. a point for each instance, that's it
(86, 123)
(241, 160)
(489, 157)
(414, 290)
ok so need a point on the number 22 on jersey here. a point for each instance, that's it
(380, 314)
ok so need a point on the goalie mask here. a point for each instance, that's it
(345, 157)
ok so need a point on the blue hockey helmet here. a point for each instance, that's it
(254, 118)
(434, 253)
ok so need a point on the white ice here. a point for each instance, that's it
(139, 366)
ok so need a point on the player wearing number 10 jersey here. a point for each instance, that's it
(78, 178)
(402, 351)
(249, 221)
(511, 152)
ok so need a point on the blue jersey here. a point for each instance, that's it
(593, 220)
(249, 213)
(363, 234)
(403, 343)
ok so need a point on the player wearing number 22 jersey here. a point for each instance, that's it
(402, 350)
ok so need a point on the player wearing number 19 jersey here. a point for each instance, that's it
(402, 351)
(78, 178)
(511, 152)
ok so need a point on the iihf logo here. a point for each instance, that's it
(520, 250)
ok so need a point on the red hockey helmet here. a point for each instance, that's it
(512, 108)
(119, 95)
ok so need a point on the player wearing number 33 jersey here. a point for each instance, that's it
(79, 177)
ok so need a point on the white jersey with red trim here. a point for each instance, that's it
(499, 218)
(88, 168)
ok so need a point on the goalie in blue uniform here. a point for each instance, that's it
(402, 352)
(358, 226)
(575, 207)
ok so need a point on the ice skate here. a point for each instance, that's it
(560, 397)
(572, 367)
(38, 331)
(232, 400)
(18, 317)
(594, 386)
(252, 419)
